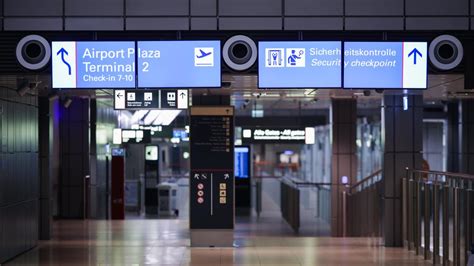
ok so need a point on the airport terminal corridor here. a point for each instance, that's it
(237, 132)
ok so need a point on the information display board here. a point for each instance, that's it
(299, 64)
(93, 65)
(398, 65)
(135, 136)
(212, 168)
(242, 162)
(171, 64)
(276, 135)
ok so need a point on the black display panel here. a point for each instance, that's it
(242, 162)
(212, 168)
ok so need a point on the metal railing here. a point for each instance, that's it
(362, 207)
(437, 215)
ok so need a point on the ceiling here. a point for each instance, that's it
(246, 96)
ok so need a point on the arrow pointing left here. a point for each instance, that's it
(63, 51)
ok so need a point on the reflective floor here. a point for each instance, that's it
(166, 242)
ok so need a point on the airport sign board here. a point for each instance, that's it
(93, 64)
(172, 64)
(151, 99)
(299, 64)
(366, 65)
(278, 135)
(385, 65)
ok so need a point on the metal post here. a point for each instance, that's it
(411, 214)
(446, 209)
(404, 211)
(344, 213)
(457, 227)
(468, 219)
(107, 188)
(418, 217)
(436, 218)
(426, 221)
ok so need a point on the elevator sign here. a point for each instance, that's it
(397, 65)
(176, 64)
(299, 64)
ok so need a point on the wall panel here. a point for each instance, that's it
(437, 7)
(374, 8)
(314, 7)
(250, 8)
(19, 175)
(93, 8)
(157, 8)
(33, 8)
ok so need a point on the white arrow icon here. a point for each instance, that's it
(196, 176)
(226, 176)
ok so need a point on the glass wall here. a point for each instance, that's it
(369, 147)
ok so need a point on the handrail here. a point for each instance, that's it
(365, 179)
(446, 174)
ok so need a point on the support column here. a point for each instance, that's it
(74, 152)
(453, 137)
(461, 136)
(403, 144)
(343, 119)
(44, 131)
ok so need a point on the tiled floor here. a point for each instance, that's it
(166, 242)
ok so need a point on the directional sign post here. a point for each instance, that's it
(212, 176)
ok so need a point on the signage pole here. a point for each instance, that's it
(212, 208)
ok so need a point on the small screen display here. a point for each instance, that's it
(242, 162)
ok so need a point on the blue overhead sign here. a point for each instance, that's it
(398, 65)
(299, 64)
(171, 64)
(93, 64)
